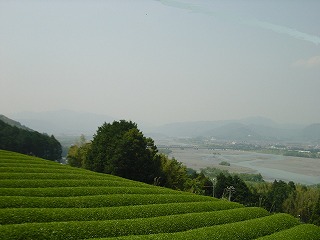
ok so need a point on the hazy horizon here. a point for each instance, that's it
(162, 61)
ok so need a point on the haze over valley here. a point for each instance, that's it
(242, 75)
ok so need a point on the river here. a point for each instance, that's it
(299, 170)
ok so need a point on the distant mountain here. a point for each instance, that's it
(248, 129)
(234, 131)
(18, 138)
(13, 123)
(63, 122)
(222, 129)
(311, 132)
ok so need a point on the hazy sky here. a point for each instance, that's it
(162, 61)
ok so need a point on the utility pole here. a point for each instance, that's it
(213, 181)
(230, 190)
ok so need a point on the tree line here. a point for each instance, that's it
(298, 200)
(29, 142)
(121, 149)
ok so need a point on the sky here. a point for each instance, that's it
(162, 61)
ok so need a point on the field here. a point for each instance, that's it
(40, 199)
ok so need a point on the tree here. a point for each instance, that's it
(234, 188)
(121, 149)
(29, 142)
(77, 155)
(222, 183)
(279, 192)
(315, 217)
(174, 174)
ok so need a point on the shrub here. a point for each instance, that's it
(303, 231)
(249, 229)
(24, 215)
(85, 229)
(47, 183)
(50, 176)
(224, 163)
(97, 201)
(83, 191)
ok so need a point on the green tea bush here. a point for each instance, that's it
(138, 226)
(35, 168)
(42, 199)
(19, 158)
(50, 176)
(97, 201)
(24, 215)
(303, 231)
(83, 191)
(47, 183)
(242, 230)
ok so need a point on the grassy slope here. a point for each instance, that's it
(40, 199)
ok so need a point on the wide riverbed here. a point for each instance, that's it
(286, 168)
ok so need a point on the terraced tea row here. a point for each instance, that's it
(40, 199)
(83, 191)
(48, 183)
(112, 228)
(243, 230)
(24, 215)
(110, 200)
(304, 231)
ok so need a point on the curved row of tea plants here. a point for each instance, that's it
(40, 199)
(24, 215)
(136, 226)
(109, 200)
(303, 231)
(82, 191)
(249, 229)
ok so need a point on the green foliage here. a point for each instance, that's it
(315, 217)
(83, 191)
(249, 229)
(174, 173)
(77, 155)
(28, 215)
(48, 176)
(303, 231)
(301, 203)
(242, 193)
(96, 205)
(251, 177)
(45, 183)
(29, 142)
(109, 200)
(248, 177)
(121, 149)
(224, 163)
(137, 226)
(280, 191)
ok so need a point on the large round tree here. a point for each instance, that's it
(121, 149)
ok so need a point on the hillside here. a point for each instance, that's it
(13, 123)
(41, 199)
(20, 140)
(63, 122)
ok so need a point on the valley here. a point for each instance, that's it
(271, 166)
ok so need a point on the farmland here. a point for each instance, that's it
(41, 199)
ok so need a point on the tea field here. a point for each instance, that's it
(41, 199)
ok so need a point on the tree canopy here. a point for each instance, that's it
(121, 149)
(29, 142)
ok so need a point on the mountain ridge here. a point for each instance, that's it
(66, 122)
